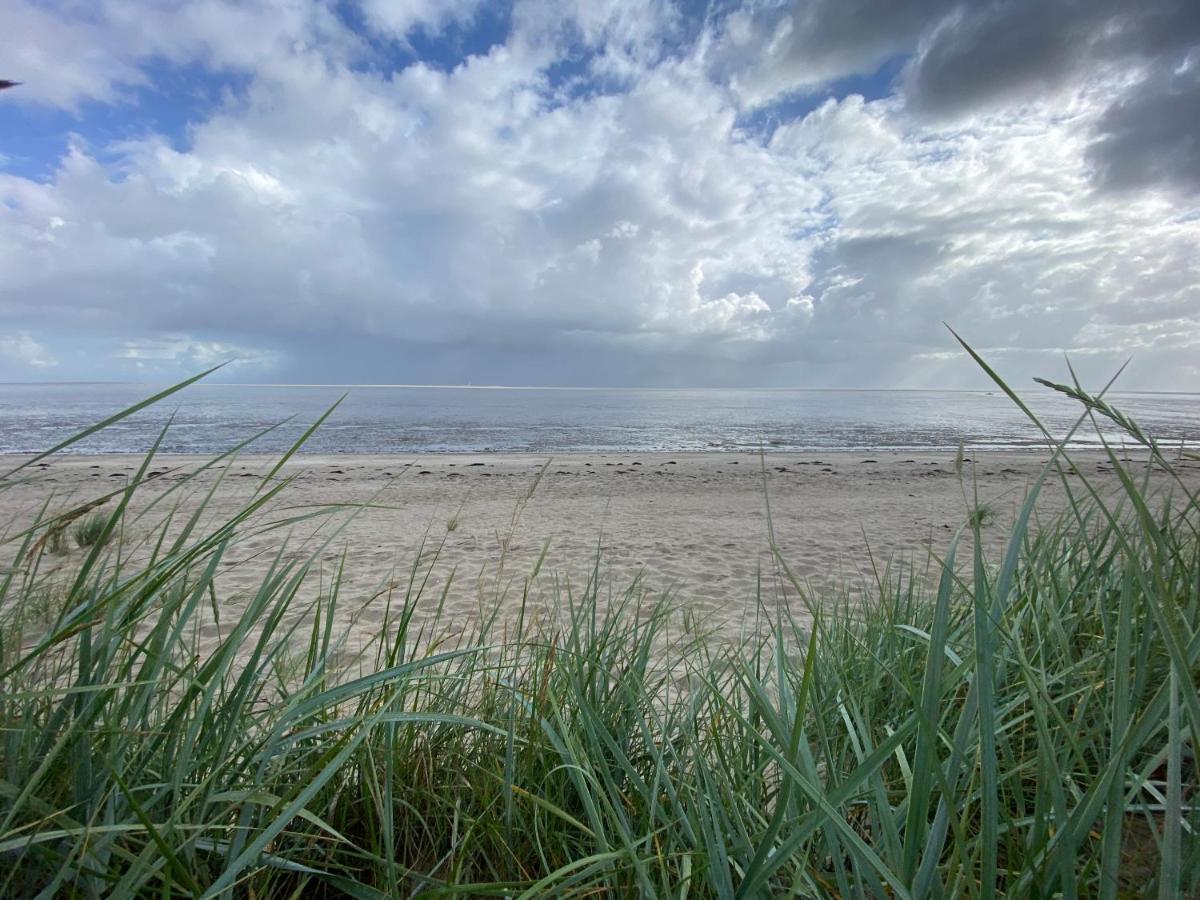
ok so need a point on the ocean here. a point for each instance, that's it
(209, 418)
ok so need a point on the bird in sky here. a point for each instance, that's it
(5, 83)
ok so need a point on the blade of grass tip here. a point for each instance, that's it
(299, 443)
(1097, 403)
(116, 417)
(1059, 446)
(1175, 632)
(1005, 580)
(982, 363)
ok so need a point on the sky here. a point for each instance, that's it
(602, 192)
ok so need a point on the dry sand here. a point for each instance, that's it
(692, 524)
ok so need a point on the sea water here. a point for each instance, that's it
(209, 418)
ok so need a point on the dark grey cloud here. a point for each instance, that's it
(1016, 50)
(964, 53)
(815, 41)
(845, 36)
(978, 56)
(1151, 137)
(971, 57)
(1020, 51)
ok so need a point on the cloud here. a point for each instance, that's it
(993, 52)
(71, 53)
(996, 51)
(396, 18)
(967, 58)
(22, 355)
(1151, 137)
(182, 351)
(962, 54)
(63, 61)
(584, 203)
(991, 226)
(812, 42)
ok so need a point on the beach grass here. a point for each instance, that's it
(1024, 724)
(91, 530)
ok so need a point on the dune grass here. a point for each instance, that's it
(1022, 725)
(90, 531)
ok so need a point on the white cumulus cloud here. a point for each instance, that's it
(592, 199)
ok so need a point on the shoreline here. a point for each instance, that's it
(1024, 452)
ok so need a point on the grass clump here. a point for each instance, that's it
(91, 530)
(1026, 725)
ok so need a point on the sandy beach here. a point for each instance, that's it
(694, 525)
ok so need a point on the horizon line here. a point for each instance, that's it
(565, 387)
